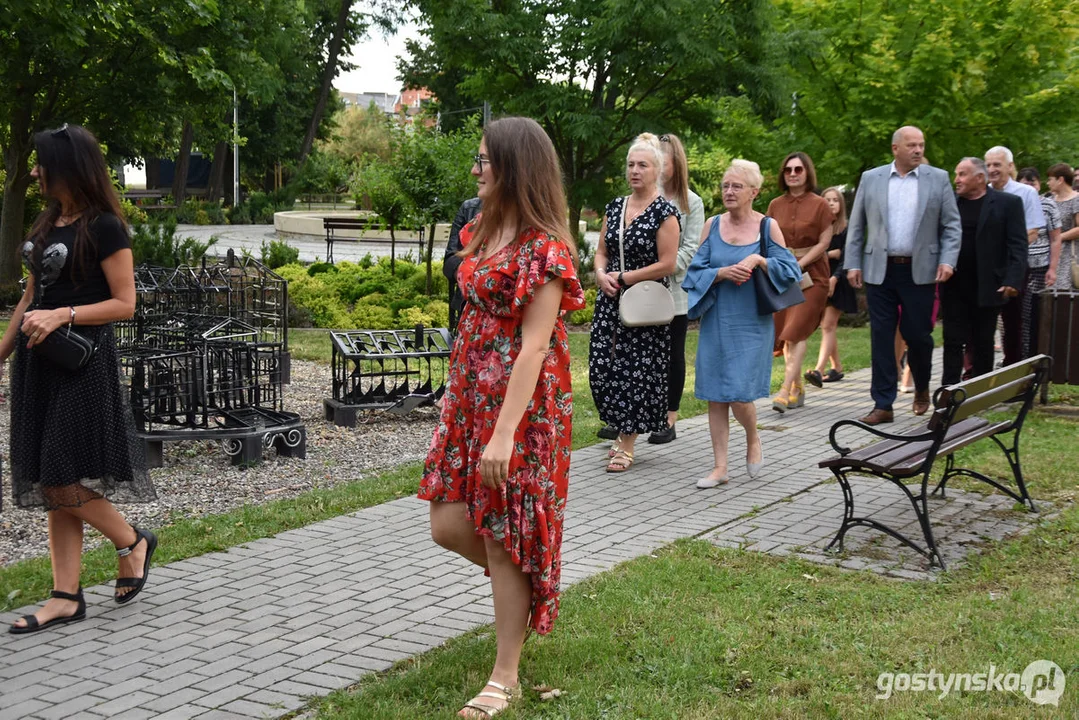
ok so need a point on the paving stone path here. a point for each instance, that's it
(258, 630)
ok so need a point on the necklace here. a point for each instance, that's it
(634, 216)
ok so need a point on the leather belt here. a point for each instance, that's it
(899, 259)
(800, 252)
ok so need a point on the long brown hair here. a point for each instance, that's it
(811, 172)
(678, 186)
(840, 222)
(70, 161)
(527, 184)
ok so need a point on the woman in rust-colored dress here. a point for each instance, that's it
(806, 222)
(498, 469)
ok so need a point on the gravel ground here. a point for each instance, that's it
(198, 478)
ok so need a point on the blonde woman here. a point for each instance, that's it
(691, 209)
(628, 366)
(841, 297)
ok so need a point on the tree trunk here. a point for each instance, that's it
(153, 173)
(216, 190)
(575, 222)
(328, 74)
(12, 230)
(183, 160)
(430, 255)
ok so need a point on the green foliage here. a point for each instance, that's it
(323, 172)
(277, 253)
(258, 207)
(970, 74)
(350, 296)
(200, 212)
(155, 242)
(595, 74)
(360, 133)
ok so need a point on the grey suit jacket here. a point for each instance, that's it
(938, 233)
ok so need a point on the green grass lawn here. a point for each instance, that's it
(696, 632)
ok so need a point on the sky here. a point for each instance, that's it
(377, 63)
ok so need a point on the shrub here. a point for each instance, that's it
(155, 242)
(371, 317)
(412, 316)
(278, 253)
(320, 267)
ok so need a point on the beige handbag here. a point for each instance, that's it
(1075, 269)
(647, 302)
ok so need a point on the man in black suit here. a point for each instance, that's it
(468, 210)
(992, 265)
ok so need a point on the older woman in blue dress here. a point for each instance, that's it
(734, 352)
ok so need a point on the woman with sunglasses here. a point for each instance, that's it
(498, 469)
(806, 222)
(73, 444)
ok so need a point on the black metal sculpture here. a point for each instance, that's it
(207, 356)
(392, 370)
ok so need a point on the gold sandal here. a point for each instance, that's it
(779, 402)
(622, 461)
(615, 449)
(502, 692)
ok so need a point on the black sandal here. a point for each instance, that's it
(32, 624)
(833, 376)
(131, 582)
(813, 377)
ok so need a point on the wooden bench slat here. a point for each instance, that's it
(985, 400)
(901, 455)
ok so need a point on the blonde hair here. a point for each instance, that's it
(527, 184)
(840, 222)
(748, 171)
(647, 142)
(678, 187)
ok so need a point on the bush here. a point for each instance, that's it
(155, 242)
(278, 253)
(320, 267)
(372, 317)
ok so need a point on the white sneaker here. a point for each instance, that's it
(706, 483)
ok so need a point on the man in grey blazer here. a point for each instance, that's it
(903, 238)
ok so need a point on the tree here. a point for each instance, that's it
(341, 28)
(971, 74)
(360, 132)
(433, 170)
(377, 183)
(595, 73)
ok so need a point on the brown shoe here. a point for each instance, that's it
(878, 416)
(921, 402)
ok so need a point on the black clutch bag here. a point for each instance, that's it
(66, 349)
(769, 299)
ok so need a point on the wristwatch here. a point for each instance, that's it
(621, 282)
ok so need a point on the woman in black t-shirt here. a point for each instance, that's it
(73, 444)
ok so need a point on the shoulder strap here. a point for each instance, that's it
(621, 233)
(766, 235)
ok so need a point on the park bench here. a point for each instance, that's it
(909, 456)
(332, 224)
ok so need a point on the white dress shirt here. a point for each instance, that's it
(902, 207)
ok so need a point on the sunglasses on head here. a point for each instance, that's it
(665, 138)
(61, 132)
(796, 170)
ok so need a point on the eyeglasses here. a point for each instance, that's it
(480, 160)
(61, 132)
(737, 187)
(794, 170)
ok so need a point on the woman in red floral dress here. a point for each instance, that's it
(498, 467)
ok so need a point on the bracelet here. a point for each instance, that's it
(72, 320)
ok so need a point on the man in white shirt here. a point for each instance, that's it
(1001, 166)
(903, 238)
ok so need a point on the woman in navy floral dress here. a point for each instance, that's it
(498, 468)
